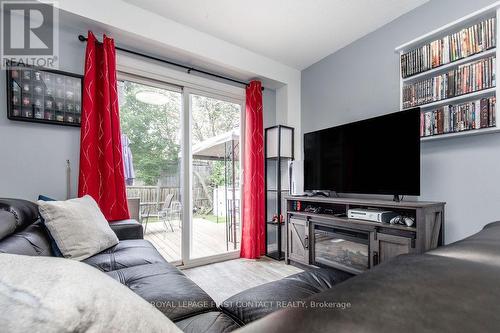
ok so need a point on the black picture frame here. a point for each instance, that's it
(46, 96)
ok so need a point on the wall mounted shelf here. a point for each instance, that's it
(459, 98)
(445, 67)
(486, 13)
(487, 130)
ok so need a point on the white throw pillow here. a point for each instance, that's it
(77, 226)
(45, 294)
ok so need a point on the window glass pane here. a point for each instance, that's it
(151, 122)
(216, 226)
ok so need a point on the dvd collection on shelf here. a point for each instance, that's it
(475, 114)
(464, 43)
(467, 78)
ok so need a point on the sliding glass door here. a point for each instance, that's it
(216, 195)
(182, 165)
(150, 115)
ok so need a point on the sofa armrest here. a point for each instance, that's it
(127, 229)
(492, 225)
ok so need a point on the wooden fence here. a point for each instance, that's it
(157, 194)
(153, 194)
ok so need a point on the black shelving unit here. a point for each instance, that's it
(278, 152)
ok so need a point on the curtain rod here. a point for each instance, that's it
(188, 68)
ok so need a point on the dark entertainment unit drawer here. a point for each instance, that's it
(320, 234)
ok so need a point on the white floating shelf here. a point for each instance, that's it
(456, 63)
(488, 130)
(456, 99)
(450, 27)
(491, 11)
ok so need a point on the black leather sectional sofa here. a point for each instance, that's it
(455, 288)
(135, 263)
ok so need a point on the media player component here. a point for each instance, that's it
(409, 221)
(381, 216)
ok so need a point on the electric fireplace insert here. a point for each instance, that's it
(340, 248)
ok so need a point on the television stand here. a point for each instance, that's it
(319, 232)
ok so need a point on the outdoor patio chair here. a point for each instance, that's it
(134, 208)
(175, 211)
(165, 212)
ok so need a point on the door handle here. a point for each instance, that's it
(306, 242)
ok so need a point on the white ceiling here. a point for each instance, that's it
(294, 32)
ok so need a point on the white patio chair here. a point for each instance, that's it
(164, 214)
(175, 212)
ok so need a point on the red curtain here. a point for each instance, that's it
(253, 226)
(101, 166)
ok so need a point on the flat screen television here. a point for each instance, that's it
(379, 155)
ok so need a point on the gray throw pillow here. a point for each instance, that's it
(47, 294)
(77, 226)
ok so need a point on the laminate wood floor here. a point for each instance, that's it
(224, 279)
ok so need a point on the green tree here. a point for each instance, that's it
(217, 176)
(213, 117)
(153, 131)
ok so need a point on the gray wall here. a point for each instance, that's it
(269, 107)
(362, 80)
(33, 156)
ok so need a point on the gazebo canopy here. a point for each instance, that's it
(218, 147)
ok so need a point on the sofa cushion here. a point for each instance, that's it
(483, 247)
(209, 322)
(45, 294)
(23, 211)
(127, 253)
(45, 198)
(56, 252)
(167, 288)
(409, 293)
(257, 302)
(32, 241)
(7, 224)
(77, 226)
(127, 229)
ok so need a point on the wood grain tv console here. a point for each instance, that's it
(331, 239)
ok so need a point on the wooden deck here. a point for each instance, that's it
(209, 239)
